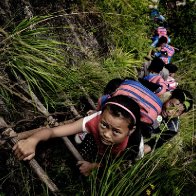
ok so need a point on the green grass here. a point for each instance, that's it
(32, 51)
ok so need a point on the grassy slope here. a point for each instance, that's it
(127, 34)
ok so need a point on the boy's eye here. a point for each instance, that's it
(116, 132)
(103, 125)
(171, 105)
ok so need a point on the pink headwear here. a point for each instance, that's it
(123, 107)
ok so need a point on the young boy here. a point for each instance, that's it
(170, 81)
(162, 50)
(160, 31)
(154, 76)
(114, 128)
(144, 71)
(180, 102)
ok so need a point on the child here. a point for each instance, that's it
(112, 85)
(160, 31)
(144, 70)
(150, 104)
(172, 69)
(156, 16)
(170, 81)
(156, 49)
(180, 102)
(114, 127)
(154, 76)
(163, 50)
(166, 53)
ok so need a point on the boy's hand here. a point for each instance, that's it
(147, 149)
(86, 167)
(91, 112)
(25, 149)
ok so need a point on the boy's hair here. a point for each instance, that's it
(171, 67)
(112, 85)
(162, 40)
(150, 85)
(156, 65)
(184, 97)
(126, 102)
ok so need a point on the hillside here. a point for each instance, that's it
(56, 58)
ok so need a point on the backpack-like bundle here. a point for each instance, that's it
(169, 49)
(157, 79)
(161, 31)
(150, 104)
(170, 52)
(166, 53)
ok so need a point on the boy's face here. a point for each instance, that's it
(113, 130)
(172, 108)
(172, 75)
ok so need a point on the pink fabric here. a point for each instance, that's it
(148, 114)
(123, 107)
(159, 80)
(171, 83)
(170, 50)
(162, 31)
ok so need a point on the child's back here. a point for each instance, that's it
(154, 76)
(160, 32)
(166, 53)
(170, 81)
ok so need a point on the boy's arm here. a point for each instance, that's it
(155, 42)
(26, 134)
(150, 53)
(25, 149)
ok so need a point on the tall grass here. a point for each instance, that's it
(155, 174)
(127, 25)
(32, 53)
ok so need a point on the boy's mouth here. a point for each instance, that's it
(106, 142)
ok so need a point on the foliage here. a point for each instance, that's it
(153, 175)
(181, 23)
(32, 52)
(129, 29)
(182, 27)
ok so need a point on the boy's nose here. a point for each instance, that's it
(172, 112)
(107, 134)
